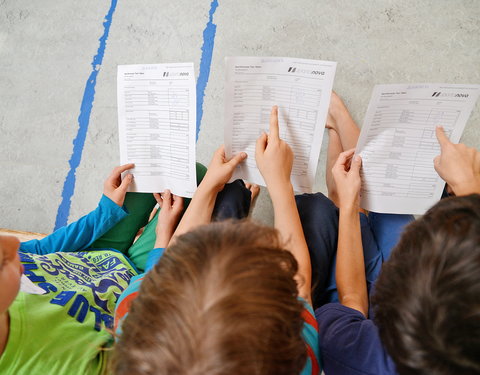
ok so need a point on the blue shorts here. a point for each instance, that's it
(319, 217)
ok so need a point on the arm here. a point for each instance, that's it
(274, 160)
(82, 233)
(171, 207)
(200, 210)
(458, 165)
(350, 268)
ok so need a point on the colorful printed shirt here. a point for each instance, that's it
(309, 333)
(65, 330)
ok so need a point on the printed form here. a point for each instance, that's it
(156, 120)
(301, 89)
(398, 143)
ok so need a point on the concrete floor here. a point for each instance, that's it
(47, 48)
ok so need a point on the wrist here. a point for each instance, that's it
(163, 238)
(349, 206)
(278, 190)
(466, 188)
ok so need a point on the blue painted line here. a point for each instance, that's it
(83, 121)
(205, 62)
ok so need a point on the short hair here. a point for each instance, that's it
(427, 297)
(221, 300)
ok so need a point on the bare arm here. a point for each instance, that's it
(350, 268)
(274, 160)
(458, 165)
(200, 210)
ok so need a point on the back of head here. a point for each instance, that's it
(427, 298)
(222, 300)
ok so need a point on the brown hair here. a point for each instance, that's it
(427, 298)
(222, 300)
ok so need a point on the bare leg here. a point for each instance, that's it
(343, 135)
(339, 119)
(334, 149)
(255, 190)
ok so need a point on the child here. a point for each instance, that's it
(82, 269)
(62, 330)
(230, 297)
(423, 319)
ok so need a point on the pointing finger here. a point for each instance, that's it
(441, 136)
(274, 133)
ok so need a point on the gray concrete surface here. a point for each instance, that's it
(46, 49)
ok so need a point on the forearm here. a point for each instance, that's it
(287, 222)
(350, 268)
(81, 233)
(199, 212)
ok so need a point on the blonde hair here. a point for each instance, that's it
(222, 300)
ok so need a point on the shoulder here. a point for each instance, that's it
(350, 343)
(125, 301)
(310, 336)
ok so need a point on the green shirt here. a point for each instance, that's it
(66, 330)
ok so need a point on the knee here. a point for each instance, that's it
(315, 205)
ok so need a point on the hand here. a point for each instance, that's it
(346, 173)
(458, 165)
(221, 170)
(274, 157)
(171, 207)
(114, 188)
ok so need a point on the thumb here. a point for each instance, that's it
(356, 164)
(127, 180)
(436, 162)
(237, 159)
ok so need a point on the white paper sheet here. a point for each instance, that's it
(28, 287)
(156, 120)
(301, 89)
(398, 143)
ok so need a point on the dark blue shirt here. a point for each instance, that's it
(350, 343)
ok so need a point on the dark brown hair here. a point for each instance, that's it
(427, 298)
(222, 300)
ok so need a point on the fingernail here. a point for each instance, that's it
(244, 154)
(357, 158)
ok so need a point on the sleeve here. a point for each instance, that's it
(128, 296)
(350, 343)
(313, 366)
(80, 234)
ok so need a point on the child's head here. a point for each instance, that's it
(427, 298)
(222, 300)
(10, 271)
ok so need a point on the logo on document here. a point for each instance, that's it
(437, 94)
(305, 71)
(175, 74)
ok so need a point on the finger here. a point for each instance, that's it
(343, 158)
(220, 153)
(436, 162)
(127, 180)
(167, 198)
(114, 177)
(237, 159)
(158, 198)
(261, 144)
(442, 137)
(177, 203)
(355, 165)
(274, 133)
